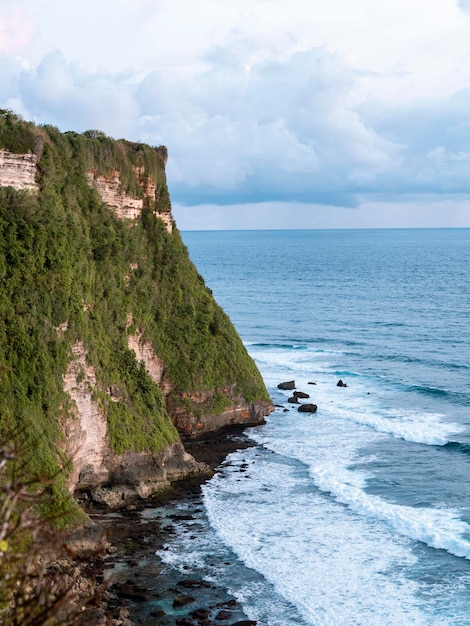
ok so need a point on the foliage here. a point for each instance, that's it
(66, 258)
(40, 586)
(18, 136)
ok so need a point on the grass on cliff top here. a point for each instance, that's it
(65, 257)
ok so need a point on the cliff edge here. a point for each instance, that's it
(112, 347)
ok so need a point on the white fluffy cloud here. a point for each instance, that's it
(267, 131)
(257, 100)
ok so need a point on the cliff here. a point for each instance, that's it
(112, 348)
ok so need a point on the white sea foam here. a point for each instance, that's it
(329, 466)
(333, 565)
(425, 428)
(356, 403)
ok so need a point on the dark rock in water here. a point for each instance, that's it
(245, 622)
(184, 621)
(200, 614)
(223, 616)
(293, 400)
(179, 601)
(311, 383)
(308, 408)
(287, 386)
(341, 384)
(192, 583)
(278, 406)
(285, 411)
(301, 394)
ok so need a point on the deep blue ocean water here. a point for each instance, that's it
(359, 514)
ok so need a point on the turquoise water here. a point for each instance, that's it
(359, 514)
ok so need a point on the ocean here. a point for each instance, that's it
(358, 514)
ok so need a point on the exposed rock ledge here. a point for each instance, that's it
(206, 422)
(124, 205)
(18, 170)
(112, 479)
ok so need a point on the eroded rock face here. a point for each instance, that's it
(140, 474)
(86, 435)
(18, 170)
(202, 421)
(109, 190)
(153, 364)
(124, 205)
(206, 421)
(111, 478)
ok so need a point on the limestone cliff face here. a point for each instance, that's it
(18, 170)
(202, 420)
(125, 206)
(111, 478)
(155, 366)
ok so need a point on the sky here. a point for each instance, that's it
(276, 113)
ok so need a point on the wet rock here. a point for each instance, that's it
(341, 384)
(245, 622)
(308, 408)
(287, 386)
(293, 400)
(185, 621)
(222, 616)
(310, 382)
(201, 614)
(131, 591)
(301, 394)
(86, 542)
(191, 583)
(179, 601)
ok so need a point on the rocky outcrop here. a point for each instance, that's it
(86, 442)
(153, 364)
(202, 420)
(308, 408)
(125, 206)
(18, 170)
(141, 474)
(109, 190)
(111, 478)
(287, 386)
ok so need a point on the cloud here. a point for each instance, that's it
(264, 131)
(75, 98)
(436, 133)
(464, 5)
(241, 129)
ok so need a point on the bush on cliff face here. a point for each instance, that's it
(39, 584)
(66, 261)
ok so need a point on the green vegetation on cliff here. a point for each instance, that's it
(67, 261)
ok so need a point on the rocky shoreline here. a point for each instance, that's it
(137, 589)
